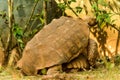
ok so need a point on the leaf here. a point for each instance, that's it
(34, 31)
(116, 6)
(42, 20)
(22, 46)
(78, 9)
(110, 65)
(62, 6)
(85, 8)
(102, 2)
(19, 40)
(113, 21)
(95, 7)
(44, 71)
(108, 20)
(102, 25)
(110, 6)
(70, 1)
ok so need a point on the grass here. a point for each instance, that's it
(101, 73)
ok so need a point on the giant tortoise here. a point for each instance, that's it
(65, 41)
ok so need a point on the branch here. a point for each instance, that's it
(10, 15)
(113, 25)
(32, 13)
(45, 11)
(2, 43)
(71, 8)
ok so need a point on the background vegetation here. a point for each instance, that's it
(17, 27)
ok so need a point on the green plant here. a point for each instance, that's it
(104, 11)
(117, 60)
(22, 35)
(63, 7)
(18, 34)
(66, 5)
(103, 17)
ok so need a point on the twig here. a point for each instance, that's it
(9, 38)
(71, 8)
(112, 25)
(32, 13)
(45, 11)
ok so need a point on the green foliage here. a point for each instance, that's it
(31, 29)
(78, 9)
(117, 60)
(1, 68)
(3, 14)
(102, 2)
(110, 65)
(63, 7)
(41, 17)
(114, 7)
(18, 34)
(70, 1)
(66, 5)
(23, 35)
(43, 71)
(102, 16)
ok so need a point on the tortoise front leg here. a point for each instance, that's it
(87, 59)
(54, 69)
(92, 52)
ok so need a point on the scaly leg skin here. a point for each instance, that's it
(54, 70)
(87, 59)
(92, 52)
(78, 63)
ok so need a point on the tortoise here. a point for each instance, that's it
(63, 41)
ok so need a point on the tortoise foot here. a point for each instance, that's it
(54, 70)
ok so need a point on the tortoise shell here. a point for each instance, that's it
(58, 42)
